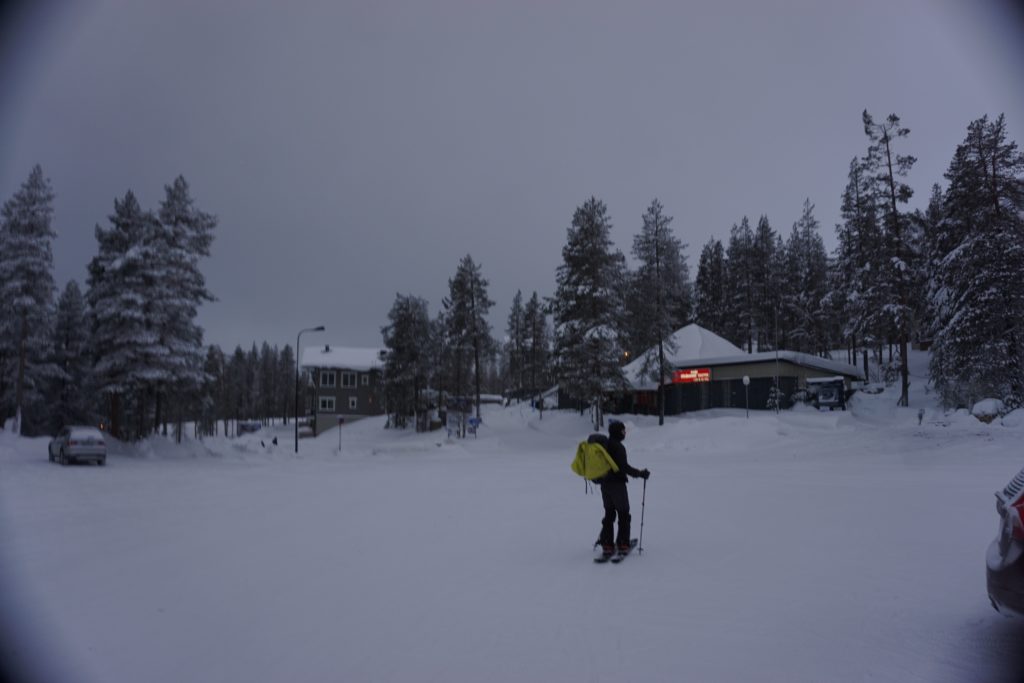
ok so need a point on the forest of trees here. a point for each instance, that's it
(127, 351)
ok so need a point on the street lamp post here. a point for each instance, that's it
(746, 390)
(298, 341)
(778, 389)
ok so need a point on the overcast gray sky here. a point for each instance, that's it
(352, 150)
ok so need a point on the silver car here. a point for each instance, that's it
(75, 443)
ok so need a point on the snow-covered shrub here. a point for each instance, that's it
(988, 409)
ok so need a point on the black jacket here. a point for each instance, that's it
(618, 453)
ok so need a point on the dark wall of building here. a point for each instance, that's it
(685, 398)
(367, 396)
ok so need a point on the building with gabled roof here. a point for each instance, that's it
(708, 372)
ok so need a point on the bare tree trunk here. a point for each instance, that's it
(661, 382)
(901, 293)
(158, 423)
(115, 416)
(476, 368)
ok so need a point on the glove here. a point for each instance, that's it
(645, 474)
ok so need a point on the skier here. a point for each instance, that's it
(613, 491)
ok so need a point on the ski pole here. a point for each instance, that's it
(643, 501)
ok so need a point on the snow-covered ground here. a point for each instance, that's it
(799, 547)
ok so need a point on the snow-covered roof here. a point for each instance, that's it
(805, 359)
(693, 344)
(342, 357)
(698, 346)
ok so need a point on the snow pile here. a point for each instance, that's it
(1014, 419)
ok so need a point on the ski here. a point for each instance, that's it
(622, 555)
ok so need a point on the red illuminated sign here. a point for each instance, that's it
(692, 375)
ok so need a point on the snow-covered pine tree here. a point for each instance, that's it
(739, 317)
(635, 318)
(586, 307)
(978, 349)
(286, 382)
(777, 335)
(237, 387)
(886, 168)
(26, 302)
(118, 293)
(767, 285)
(268, 382)
(469, 333)
(710, 288)
(515, 348)
(406, 367)
(661, 285)
(439, 358)
(832, 309)
(857, 293)
(68, 393)
(537, 350)
(935, 247)
(184, 237)
(211, 406)
(253, 389)
(807, 270)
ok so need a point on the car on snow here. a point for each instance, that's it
(1005, 556)
(827, 392)
(248, 426)
(77, 443)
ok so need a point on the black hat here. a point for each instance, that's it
(616, 430)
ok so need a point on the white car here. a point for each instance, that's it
(77, 443)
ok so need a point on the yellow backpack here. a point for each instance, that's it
(592, 461)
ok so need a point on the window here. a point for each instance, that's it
(353, 403)
(348, 379)
(328, 380)
(327, 404)
(366, 380)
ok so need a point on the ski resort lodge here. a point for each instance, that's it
(708, 372)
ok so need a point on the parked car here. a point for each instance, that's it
(828, 392)
(77, 443)
(1005, 556)
(249, 426)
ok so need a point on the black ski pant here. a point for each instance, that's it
(616, 502)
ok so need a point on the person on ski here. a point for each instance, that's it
(613, 490)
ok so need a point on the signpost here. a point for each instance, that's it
(453, 423)
(341, 421)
